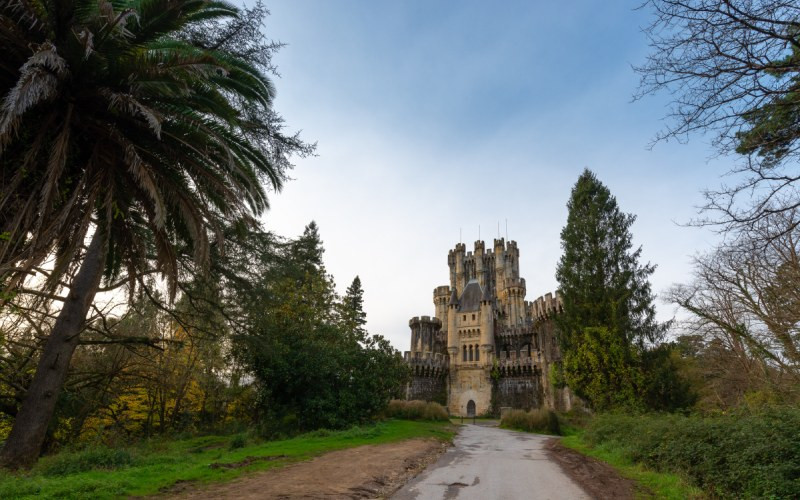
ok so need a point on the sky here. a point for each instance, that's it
(435, 120)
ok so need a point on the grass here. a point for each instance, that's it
(661, 485)
(156, 465)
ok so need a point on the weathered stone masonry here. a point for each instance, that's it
(486, 347)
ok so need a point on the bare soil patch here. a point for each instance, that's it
(597, 479)
(372, 471)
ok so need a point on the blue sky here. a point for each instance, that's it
(433, 117)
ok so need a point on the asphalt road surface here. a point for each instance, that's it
(491, 463)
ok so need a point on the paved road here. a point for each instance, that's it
(491, 463)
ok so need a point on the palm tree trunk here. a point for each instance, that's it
(24, 443)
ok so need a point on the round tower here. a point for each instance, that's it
(441, 296)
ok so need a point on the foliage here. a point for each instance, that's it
(751, 455)
(666, 386)
(416, 410)
(308, 350)
(602, 369)
(608, 317)
(542, 421)
(126, 120)
(157, 464)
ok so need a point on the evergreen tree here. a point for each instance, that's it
(608, 305)
(351, 309)
(314, 363)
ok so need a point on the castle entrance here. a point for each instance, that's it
(471, 408)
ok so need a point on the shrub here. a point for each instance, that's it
(416, 410)
(92, 458)
(735, 455)
(238, 441)
(542, 421)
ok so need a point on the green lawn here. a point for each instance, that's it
(662, 485)
(155, 465)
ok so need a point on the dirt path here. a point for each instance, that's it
(598, 480)
(364, 472)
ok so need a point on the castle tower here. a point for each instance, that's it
(423, 335)
(499, 265)
(514, 296)
(480, 250)
(441, 296)
(452, 334)
(487, 327)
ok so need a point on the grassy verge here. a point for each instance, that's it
(156, 465)
(662, 485)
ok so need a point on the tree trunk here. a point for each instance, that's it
(24, 443)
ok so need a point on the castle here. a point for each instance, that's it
(486, 348)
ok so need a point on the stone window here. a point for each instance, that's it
(465, 353)
(470, 353)
(477, 354)
(473, 317)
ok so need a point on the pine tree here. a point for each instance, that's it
(351, 309)
(608, 304)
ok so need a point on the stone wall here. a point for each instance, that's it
(523, 393)
(428, 389)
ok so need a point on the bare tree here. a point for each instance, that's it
(732, 68)
(745, 303)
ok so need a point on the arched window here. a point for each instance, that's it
(477, 354)
(465, 353)
(470, 353)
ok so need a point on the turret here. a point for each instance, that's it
(456, 262)
(452, 334)
(480, 250)
(487, 326)
(423, 335)
(441, 296)
(499, 264)
(515, 301)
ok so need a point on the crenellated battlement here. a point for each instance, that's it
(427, 364)
(417, 321)
(515, 283)
(545, 307)
(442, 291)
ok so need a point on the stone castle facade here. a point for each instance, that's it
(486, 347)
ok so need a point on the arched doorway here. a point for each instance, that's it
(471, 408)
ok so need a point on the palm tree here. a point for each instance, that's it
(121, 128)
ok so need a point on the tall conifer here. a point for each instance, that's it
(608, 304)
